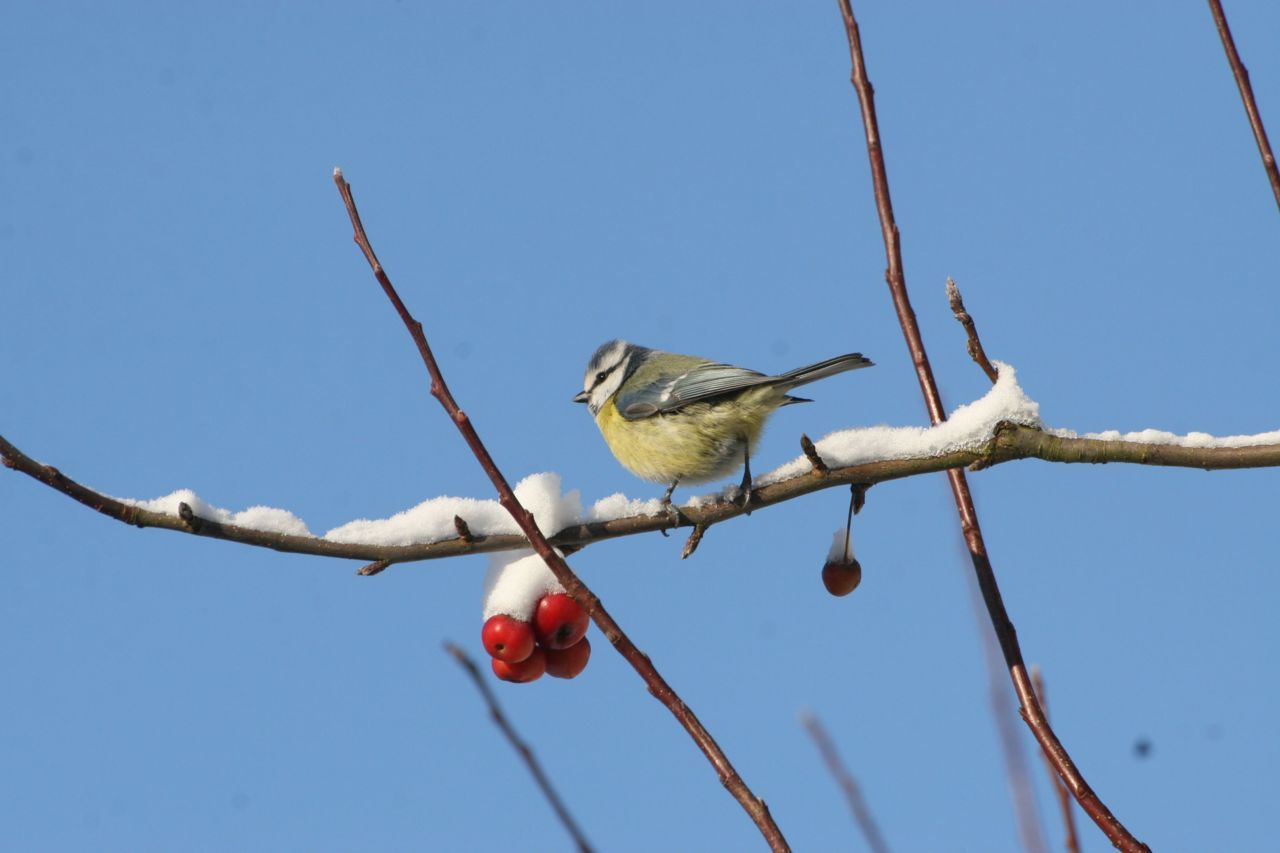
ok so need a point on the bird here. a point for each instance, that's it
(671, 418)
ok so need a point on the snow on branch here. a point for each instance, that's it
(1001, 426)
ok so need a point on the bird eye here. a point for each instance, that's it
(600, 376)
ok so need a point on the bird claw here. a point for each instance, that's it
(744, 488)
(673, 514)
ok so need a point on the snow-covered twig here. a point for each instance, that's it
(1000, 621)
(413, 540)
(753, 805)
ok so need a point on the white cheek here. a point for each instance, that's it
(607, 390)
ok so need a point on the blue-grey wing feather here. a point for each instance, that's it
(699, 383)
(703, 380)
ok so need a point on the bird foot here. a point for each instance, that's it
(673, 513)
(745, 492)
(744, 488)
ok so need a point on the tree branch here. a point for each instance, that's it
(1015, 763)
(848, 785)
(1010, 442)
(573, 585)
(1005, 632)
(522, 749)
(1246, 94)
(1071, 843)
(974, 345)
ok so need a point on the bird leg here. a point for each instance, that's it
(745, 488)
(672, 512)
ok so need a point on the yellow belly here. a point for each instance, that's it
(697, 444)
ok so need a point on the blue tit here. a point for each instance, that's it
(682, 419)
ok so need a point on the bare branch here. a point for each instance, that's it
(1017, 773)
(848, 785)
(1004, 629)
(374, 568)
(522, 749)
(1246, 94)
(694, 540)
(573, 585)
(1071, 842)
(811, 453)
(974, 345)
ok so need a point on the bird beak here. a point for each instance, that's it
(581, 397)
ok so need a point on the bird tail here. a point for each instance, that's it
(822, 369)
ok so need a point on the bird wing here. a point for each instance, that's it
(701, 382)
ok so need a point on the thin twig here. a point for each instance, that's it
(375, 568)
(811, 453)
(695, 539)
(852, 794)
(974, 345)
(1246, 94)
(1071, 842)
(1005, 632)
(1011, 442)
(523, 749)
(573, 585)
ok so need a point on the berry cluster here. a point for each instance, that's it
(554, 643)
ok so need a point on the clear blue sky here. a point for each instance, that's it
(183, 307)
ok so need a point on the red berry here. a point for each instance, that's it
(841, 577)
(529, 669)
(570, 662)
(559, 621)
(507, 639)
